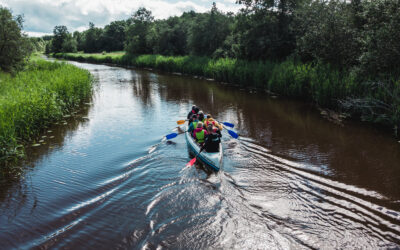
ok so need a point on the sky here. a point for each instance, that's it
(42, 15)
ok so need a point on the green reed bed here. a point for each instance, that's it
(36, 97)
(373, 101)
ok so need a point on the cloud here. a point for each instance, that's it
(42, 15)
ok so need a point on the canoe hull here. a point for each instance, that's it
(213, 160)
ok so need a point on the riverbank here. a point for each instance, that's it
(34, 98)
(368, 100)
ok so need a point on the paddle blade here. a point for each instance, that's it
(233, 134)
(170, 136)
(191, 162)
(228, 124)
(180, 122)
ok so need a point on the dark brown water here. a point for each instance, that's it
(292, 180)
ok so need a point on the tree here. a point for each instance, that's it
(168, 37)
(136, 41)
(69, 44)
(79, 40)
(380, 38)
(325, 32)
(208, 32)
(60, 33)
(263, 29)
(14, 46)
(114, 36)
(92, 40)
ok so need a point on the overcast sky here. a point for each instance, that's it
(42, 15)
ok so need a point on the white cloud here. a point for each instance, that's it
(37, 34)
(43, 15)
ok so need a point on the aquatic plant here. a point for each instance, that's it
(34, 98)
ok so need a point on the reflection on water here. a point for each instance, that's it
(292, 180)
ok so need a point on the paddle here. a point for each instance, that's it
(170, 136)
(233, 134)
(173, 135)
(192, 161)
(228, 124)
(230, 132)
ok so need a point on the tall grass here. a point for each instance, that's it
(35, 97)
(315, 82)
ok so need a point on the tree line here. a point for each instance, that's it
(357, 35)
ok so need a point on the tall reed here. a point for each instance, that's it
(36, 97)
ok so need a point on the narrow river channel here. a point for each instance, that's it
(292, 180)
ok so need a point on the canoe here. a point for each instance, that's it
(212, 160)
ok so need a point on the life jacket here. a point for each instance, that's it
(194, 125)
(210, 121)
(200, 136)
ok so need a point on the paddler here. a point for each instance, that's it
(200, 133)
(211, 121)
(193, 124)
(213, 139)
(194, 111)
(201, 117)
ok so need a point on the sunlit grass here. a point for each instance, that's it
(36, 97)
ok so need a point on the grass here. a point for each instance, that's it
(315, 82)
(34, 98)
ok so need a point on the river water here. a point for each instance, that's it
(292, 180)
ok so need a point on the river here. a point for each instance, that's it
(292, 180)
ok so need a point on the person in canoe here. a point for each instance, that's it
(200, 134)
(211, 121)
(201, 117)
(213, 139)
(193, 121)
(194, 111)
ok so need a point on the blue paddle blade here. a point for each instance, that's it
(233, 134)
(228, 124)
(170, 136)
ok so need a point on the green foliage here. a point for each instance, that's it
(325, 32)
(380, 38)
(69, 44)
(92, 39)
(113, 37)
(168, 37)
(38, 44)
(14, 47)
(136, 42)
(35, 97)
(208, 32)
(60, 35)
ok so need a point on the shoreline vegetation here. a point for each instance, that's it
(341, 55)
(33, 99)
(319, 83)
